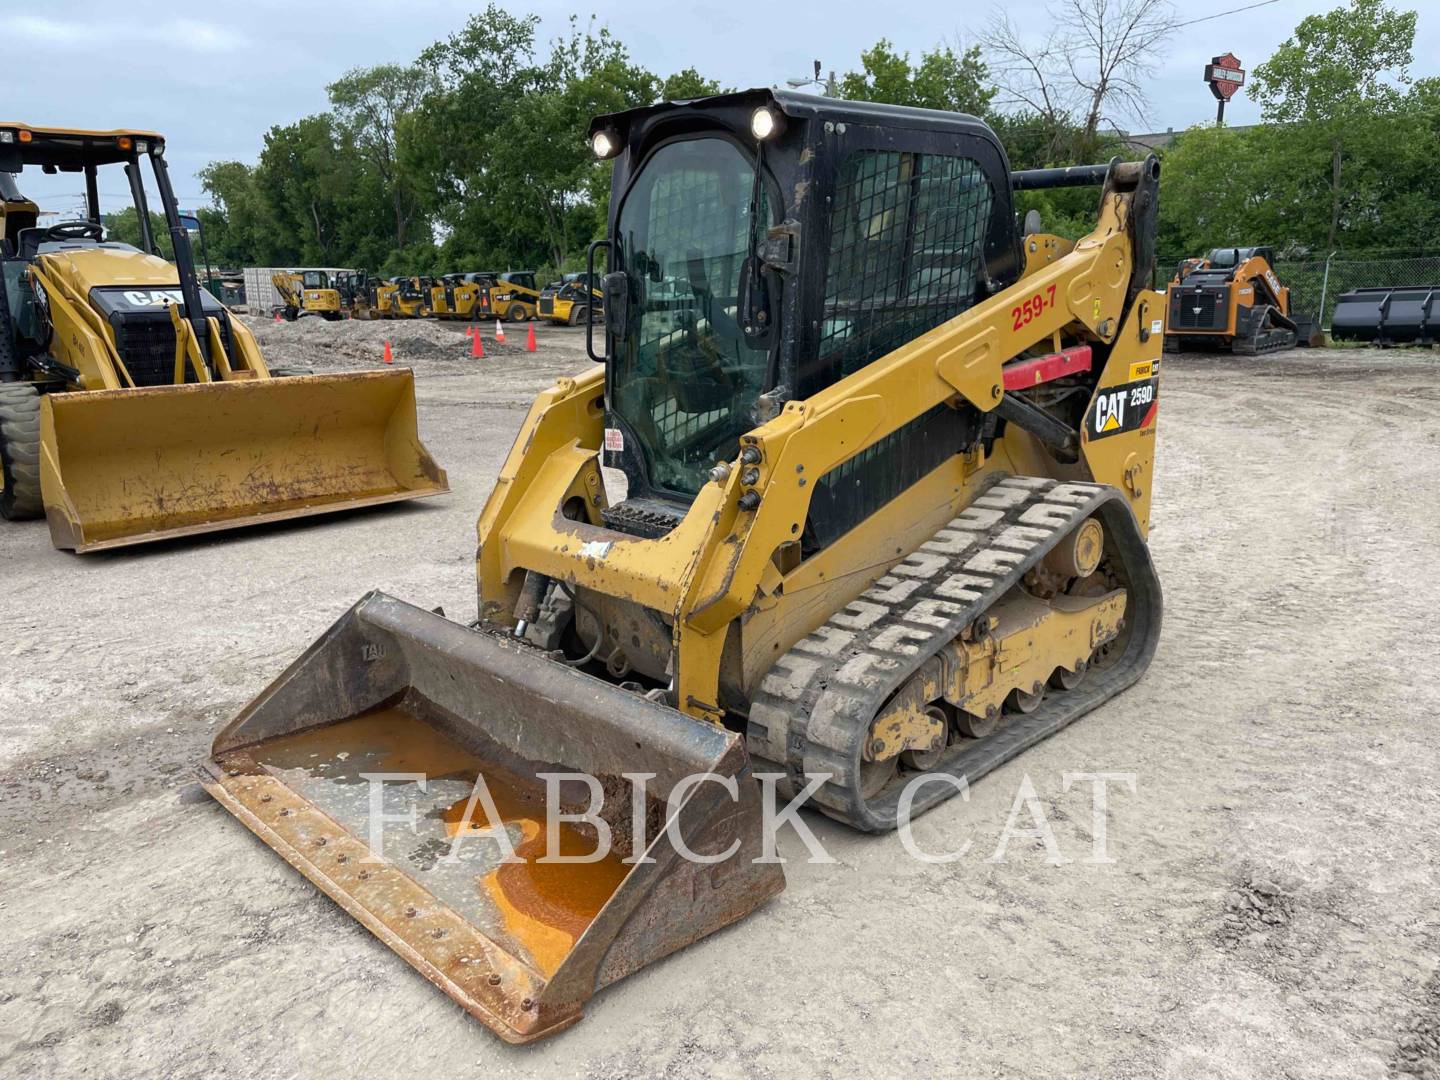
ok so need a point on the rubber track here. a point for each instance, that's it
(813, 710)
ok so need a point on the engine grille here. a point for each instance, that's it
(546, 306)
(147, 346)
(1199, 309)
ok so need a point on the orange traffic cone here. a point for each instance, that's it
(530, 341)
(277, 317)
(470, 331)
(499, 333)
(389, 356)
(477, 345)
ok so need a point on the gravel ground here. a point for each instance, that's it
(1271, 910)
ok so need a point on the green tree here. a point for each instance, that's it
(943, 79)
(1335, 83)
(374, 108)
(686, 84)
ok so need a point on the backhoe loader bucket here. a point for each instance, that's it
(359, 765)
(123, 467)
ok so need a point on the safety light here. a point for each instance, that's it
(123, 142)
(764, 123)
(604, 143)
(26, 136)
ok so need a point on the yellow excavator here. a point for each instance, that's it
(307, 292)
(134, 406)
(886, 466)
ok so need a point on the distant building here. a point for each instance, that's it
(1161, 140)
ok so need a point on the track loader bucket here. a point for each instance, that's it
(123, 467)
(359, 765)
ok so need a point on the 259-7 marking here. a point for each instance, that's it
(1032, 308)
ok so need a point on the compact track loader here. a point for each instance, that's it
(134, 406)
(411, 298)
(888, 473)
(1231, 299)
(569, 302)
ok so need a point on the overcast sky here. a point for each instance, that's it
(214, 77)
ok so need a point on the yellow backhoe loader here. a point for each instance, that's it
(888, 471)
(307, 292)
(134, 406)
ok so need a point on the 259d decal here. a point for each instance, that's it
(1118, 409)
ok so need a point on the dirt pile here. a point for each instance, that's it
(427, 345)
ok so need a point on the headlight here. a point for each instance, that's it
(764, 123)
(605, 143)
(141, 146)
(7, 136)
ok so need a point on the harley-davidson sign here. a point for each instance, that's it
(1224, 75)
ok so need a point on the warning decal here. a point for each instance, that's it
(1118, 409)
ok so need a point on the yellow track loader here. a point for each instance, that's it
(568, 302)
(888, 469)
(410, 299)
(135, 407)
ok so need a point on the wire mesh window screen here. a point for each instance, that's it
(906, 247)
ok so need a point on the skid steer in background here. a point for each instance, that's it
(569, 301)
(889, 479)
(356, 292)
(411, 298)
(452, 297)
(1231, 299)
(514, 295)
(134, 406)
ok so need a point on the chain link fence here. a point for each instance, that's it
(1316, 284)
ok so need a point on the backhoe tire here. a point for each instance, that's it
(577, 315)
(516, 313)
(20, 452)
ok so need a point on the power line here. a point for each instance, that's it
(1222, 14)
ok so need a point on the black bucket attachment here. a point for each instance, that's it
(1388, 316)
